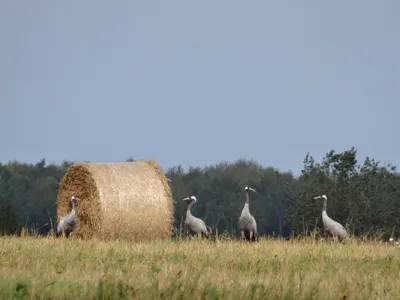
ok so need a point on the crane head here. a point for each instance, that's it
(190, 198)
(74, 198)
(323, 197)
(247, 188)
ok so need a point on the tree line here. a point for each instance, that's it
(365, 197)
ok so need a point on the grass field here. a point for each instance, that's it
(48, 268)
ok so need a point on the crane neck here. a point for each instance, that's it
(247, 198)
(190, 205)
(324, 205)
(245, 209)
(72, 205)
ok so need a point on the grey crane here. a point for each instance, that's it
(194, 225)
(332, 227)
(67, 223)
(247, 223)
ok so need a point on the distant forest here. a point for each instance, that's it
(365, 197)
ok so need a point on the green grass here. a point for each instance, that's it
(48, 268)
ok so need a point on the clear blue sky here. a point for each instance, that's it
(198, 82)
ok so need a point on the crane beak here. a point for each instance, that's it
(187, 198)
(318, 197)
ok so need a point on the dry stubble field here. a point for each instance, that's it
(48, 268)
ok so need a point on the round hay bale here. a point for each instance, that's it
(127, 200)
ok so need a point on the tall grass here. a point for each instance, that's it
(49, 268)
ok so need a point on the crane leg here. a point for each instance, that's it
(205, 235)
(187, 232)
(247, 235)
(209, 231)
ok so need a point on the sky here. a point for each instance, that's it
(194, 83)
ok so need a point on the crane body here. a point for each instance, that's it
(247, 223)
(333, 228)
(195, 226)
(67, 223)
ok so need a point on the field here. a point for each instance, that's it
(48, 268)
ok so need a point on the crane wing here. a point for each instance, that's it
(197, 225)
(247, 221)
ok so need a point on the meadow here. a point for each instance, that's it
(49, 268)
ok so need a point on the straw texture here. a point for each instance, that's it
(127, 200)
